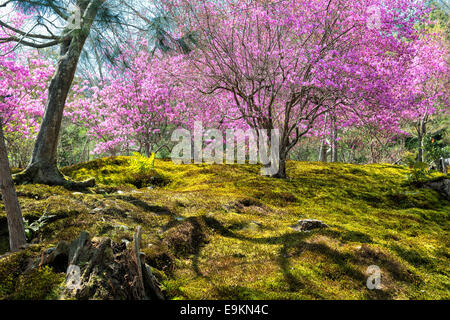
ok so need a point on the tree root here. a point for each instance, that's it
(51, 177)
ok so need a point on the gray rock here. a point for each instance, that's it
(442, 186)
(309, 224)
(96, 210)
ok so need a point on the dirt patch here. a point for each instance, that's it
(186, 238)
(375, 256)
(247, 206)
(160, 257)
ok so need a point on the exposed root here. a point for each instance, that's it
(50, 176)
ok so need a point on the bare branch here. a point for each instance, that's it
(27, 34)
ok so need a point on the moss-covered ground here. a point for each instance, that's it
(224, 232)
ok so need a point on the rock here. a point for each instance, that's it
(309, 224)
(96, 210)
(442, 186)
(253, 226)
(121, 227)
(259, 224)
(441, 165)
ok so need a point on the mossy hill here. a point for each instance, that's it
(224, 232)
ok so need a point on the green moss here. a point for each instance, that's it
(10, 268)
(116, 171)
(224, 232)
(19, 282)
(237, 292)
(38, 191)
(38, 284)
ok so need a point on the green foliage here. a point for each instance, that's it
(409, 159)
(141, 164)
(435, 146)
(73, 146)
(440, 17)
(419, 173)
(20, 149)
(32, 228)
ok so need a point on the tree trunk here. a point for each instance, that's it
(282, 164)
(421, 131)
(43, 166)
(323, 151)
(282, 171)
(323, 146)
(83, 153)
(148, 151)
(334, 155)
(420, 148)
(334, 147)
(16, 228)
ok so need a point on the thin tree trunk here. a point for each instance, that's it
(16, 228)
(421, 131)
(83, 153)
(323, 151)
(147, 148)
(420, 148)
(334, 155)
(323, 146)
(334, 147)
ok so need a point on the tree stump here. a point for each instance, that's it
(102, 269)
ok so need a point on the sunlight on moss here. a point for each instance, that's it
(241, 244)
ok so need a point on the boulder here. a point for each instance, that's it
(442, 186)
(309, 224)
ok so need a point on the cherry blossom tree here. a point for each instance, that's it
(22, 87)
(427, 84)
(284, 64)
(135, 107)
